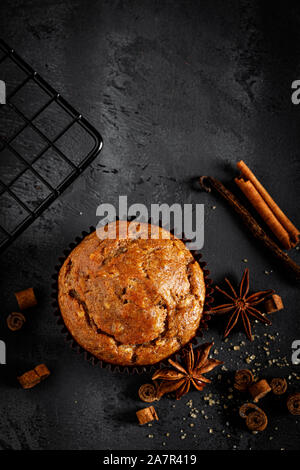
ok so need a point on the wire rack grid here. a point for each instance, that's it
(45, 144)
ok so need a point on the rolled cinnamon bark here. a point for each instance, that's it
(264, 211)
(256, 418)
(293, 403)
(243, 379)
(15, 321)
(147, 393)
(278, 385)
(279, 214)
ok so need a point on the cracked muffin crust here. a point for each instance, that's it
(131, 300)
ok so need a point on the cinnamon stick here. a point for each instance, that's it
(208, 182)
(264, 211)
(292, 231)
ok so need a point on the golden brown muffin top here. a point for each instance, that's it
(131, 300)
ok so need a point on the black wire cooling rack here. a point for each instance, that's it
(44, 145)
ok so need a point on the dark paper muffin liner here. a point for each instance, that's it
(134, 369)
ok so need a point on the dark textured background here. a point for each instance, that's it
(177, 89)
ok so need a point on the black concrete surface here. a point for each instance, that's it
(177, 89)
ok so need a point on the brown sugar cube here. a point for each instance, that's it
(26, 298)
(42, 371)
(259, 389)
(146, 415)
(273, 304)
(29, 379)
(35, 376)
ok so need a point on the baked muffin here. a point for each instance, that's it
(131, 300)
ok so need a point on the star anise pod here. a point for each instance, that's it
(194, 364)
(242, 305)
